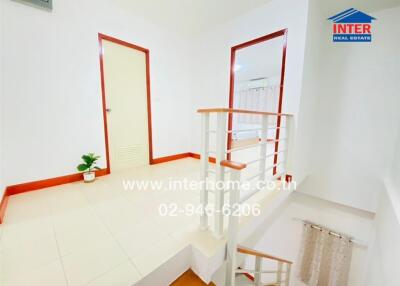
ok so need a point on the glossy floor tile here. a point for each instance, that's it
(95, 234)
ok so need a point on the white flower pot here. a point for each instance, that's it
(89, 177)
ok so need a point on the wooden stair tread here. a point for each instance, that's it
(189, 278)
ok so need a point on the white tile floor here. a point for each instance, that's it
(95, 234)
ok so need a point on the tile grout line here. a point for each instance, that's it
(105, 272)
(58, 250)
(1, 254)
(114, 238)
(90, 206)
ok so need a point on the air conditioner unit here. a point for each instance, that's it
(47, 4)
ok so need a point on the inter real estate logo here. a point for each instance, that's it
(352, 26)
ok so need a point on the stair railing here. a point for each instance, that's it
(258, 271)
(274, 128)
(277, 169)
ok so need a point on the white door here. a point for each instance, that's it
(126, 104)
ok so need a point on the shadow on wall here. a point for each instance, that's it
(282, 237)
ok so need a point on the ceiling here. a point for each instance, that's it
(194, 16)
(332, 7)
(263, 60)
(189, 16)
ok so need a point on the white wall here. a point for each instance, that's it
(357, 114)
(387, 233)
(304, 142)
(383, 267)
(1, 102)
(52, 98)
(211, 69)
(283, 237)
(395, 170)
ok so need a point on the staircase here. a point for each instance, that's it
(273, 164)
(253, 276)
(190, 278)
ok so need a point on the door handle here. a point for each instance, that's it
(108, 110)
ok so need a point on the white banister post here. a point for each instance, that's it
(221, 135)
(287, 279)
(289, 144)
(233, 228)
(258, 269)
(263, 147)
(205, 144)
(279, 273)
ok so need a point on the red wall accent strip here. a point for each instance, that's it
(103, 93)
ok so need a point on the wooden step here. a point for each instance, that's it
(189, 278)
(242, 280)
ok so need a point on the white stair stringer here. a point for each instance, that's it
(205, 254)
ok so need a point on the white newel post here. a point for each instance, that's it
(289, 144)
(258, 269)
(233, 228)
(279, 273)
(287, 279)
(263, 147)
(205, 144)
(221, 135)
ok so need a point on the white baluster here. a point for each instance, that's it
(258, 269)
(263, 148)
(205, 145)
(287, 280)
(233, 228)
(279, 273)
(220, 155)
(289, 132)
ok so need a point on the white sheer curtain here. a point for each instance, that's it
(324, 258)
(263, 98)
(254, 95)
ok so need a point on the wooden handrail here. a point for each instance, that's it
(232, 110)
(233, 165)
(253, 252)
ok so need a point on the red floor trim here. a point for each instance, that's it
(41, 184)
(180, 156)
(197, 156)
(3, 206)
(249, 276)
(169, 158)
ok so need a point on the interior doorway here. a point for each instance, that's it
(256, 83)
(125, 83)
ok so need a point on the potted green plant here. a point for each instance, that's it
(88, 166)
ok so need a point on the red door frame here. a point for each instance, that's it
(103, 92)
(276, 34)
